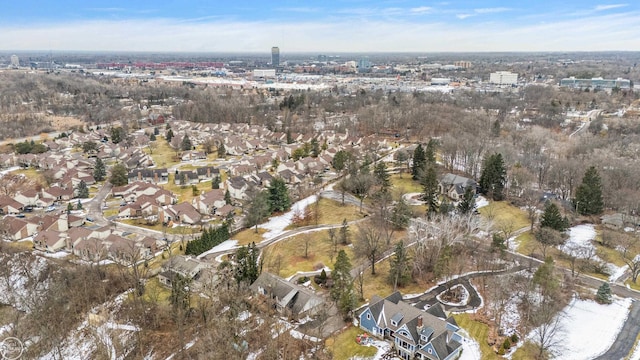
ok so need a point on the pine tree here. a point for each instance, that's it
(604, 294)
(227, 197)
(186, 144)
(493, 177)
(289, 137)
(431, 190)
(278, 196)
(430, 152)
(99, 170)
(169, 135)
(382, 176)
(588, 199)
(79, 205)
(82, 190)
(342, 290)
(248, 266)
(399, 271)
(552, 218)
(468, 202)
(222, 151)
(419, 162)
(215, 183)
(401, 214)
(315, 148)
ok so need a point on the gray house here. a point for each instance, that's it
(454, 186)
(290, 299)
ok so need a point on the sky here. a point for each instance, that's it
(320, 26)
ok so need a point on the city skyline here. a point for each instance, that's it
(338, 26)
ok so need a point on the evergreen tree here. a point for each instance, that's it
(278, 196)
(227, 197)
(79, 205)
(169, 135)
(431, 189)
(69, 207)
(382, 176)
(247, 264)
(118, 175)
(315, 147)
(468, 202)
(117, 135)
(493, 177)
(222, 151)
(186, 144)
(552, 218)
(152, 137)
(99, 170)
(401, 215)
(588, 199)
(604, 294)
(430, 152)
(340, 160)
(82, 190)
(215, 183)
(289, 137)
(399, 271)
(344, 232)
(419, 162)
(342, 290)
(180, 297)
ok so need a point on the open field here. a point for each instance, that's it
(185, 193)
(403, 184)
(162, 154)
(503, 214)
(247, 236)
(32, 174)
(287, 256)
(344, 346)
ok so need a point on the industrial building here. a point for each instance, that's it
(503, 78)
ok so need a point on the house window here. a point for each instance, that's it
(394, 323)
(368, 316)
(429, 351)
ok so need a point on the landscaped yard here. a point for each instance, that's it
(185, 193)
(403, 184)
(247, 236)
(379, 285)
(344, 346)
(479, 332)
(162, 154)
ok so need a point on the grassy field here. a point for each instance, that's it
(247, 236)
(479, 332)
(179, 230)
(378, 284)
(32, 174)
(344, 346)
(526, 243)
(332, 212)
(162, 154)
(633, 285)
(403, 184)
(288, 254)
(185, 193)
(18, 245)
(526, 352)
(504, 214)
(156, 292)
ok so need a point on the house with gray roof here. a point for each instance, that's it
(454, 186)
(290, 299)
(415, 333)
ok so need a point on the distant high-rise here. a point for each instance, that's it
(364, 65)
(275, 56)
(15, 61)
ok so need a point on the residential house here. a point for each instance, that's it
(290, 299)
(184, 266)
(237, 187)
(454, 186)
(416, 334)
(207, 173)
(9, 206)
(207, 203)
(50, 241)
(17, 229)
(124, 250)
(155, 176)
(90, 249)
(187, 177)
(183, 212)
(28, 197)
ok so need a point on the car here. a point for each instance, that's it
(89, 219)
(50, 208)
(20, 215)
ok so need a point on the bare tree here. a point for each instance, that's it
(370, 245)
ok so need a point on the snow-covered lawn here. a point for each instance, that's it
(589, 328)
(481, 202)
(580, 245)
(470, 349)
(223, 246)
(383, 348)
(413, 199)
(276, 225)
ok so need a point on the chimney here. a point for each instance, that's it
(155, 177)
(419, 326)
(139, 175)
(208, 172)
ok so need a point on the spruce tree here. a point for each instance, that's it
(431, 190)
(493, 177)
(342, 290)
(82, 190)
(279, 199)
(588, 199)
(399, 271)
(169, 135)
(552, 218)
(186, 144)
(419, 162)
(99, 170)
(382, 176)
(604, 294)
(227, 197)
(468, 202)
(222, 151)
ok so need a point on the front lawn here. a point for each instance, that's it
(403, 184)
(344, 346)
(504, 215)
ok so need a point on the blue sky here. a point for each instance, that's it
(320, 25)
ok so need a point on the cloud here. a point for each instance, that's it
(464, 16)
(107, 9)
(609, 7)
(491, 10)
(300, 9)
(600, 32)
(421, 10)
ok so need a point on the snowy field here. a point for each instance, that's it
(276, 225)
(589, 328)
(580, 245)
(481, 201)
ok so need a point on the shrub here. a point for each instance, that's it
(506, 344)
(501, 351)
(303, 279)
(514, 338)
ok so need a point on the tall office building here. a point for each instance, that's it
(15, 61)
(275, 56)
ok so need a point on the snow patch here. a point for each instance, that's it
(276, 225)
(470, 349)
(223, 246)
(481, 201)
